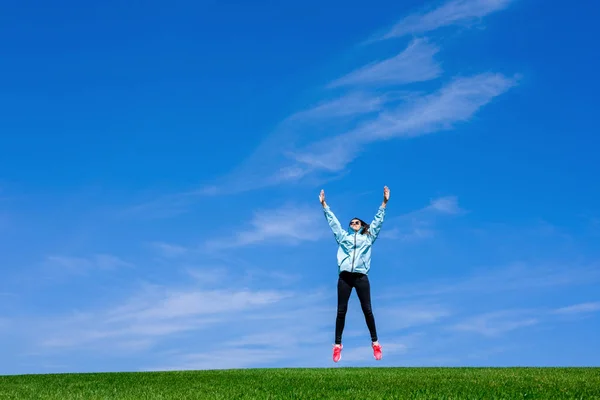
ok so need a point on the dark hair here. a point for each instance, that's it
(364, 226)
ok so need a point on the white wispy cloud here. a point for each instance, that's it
(351, 104)
(207, 275)
(517, 277)
(288, 224)
(420, 224)
(272, 162)
(296, 337)
(300, 335)
(194, 328)
(453, 12)
(268, 327)
(81, 264)
(412, 314)
(408, 234)
(445, 205)
(154, 313)
(497, 322)
(414, 64)
(169, 250)
(582, 308)
(167, 205)
(369, 105)
(224, 358)
(456, 102)
(186, 303)
(181, 326)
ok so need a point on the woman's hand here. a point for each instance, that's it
(386, 195)
(322, 198)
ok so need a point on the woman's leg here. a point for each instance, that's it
(363, 290)
(344, 289)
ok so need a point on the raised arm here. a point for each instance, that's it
(375, 226)
(332, 220)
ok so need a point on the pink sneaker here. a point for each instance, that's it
(376, 350)
(337, 352)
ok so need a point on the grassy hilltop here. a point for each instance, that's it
(334, 383)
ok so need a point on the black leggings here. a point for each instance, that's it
(347, 281)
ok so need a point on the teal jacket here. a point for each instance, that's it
(354, 251)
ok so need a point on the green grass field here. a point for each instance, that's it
(334, 383)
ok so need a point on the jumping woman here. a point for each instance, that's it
(354, 263)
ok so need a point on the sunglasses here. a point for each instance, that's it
(355, 223)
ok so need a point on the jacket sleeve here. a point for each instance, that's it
(375, 226)
(334, 224)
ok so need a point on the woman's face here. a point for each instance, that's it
(355, 225)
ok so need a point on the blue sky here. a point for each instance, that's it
(160, 169)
